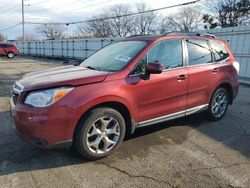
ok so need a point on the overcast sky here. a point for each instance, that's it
(61, 11)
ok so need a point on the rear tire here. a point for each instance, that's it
(99, 133)
(11, 55)
(218, 105)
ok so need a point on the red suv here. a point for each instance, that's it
(133, 83)
(8, 50)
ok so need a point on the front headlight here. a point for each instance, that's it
(48, 97)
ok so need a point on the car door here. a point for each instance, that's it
(202, 71)
(164, 93)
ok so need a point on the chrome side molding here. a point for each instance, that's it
(173, 116)
(196, 109)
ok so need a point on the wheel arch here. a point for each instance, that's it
(229, 89)
(117, 105)
(10, 52)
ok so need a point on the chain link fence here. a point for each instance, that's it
(237, 37)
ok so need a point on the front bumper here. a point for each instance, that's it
(45, 128)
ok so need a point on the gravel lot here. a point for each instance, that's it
(188, 152)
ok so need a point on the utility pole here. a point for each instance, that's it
(23, 19)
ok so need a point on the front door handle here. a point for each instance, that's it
(181, 77)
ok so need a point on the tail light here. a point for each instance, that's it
(236, 66)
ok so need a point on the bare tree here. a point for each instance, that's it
(99, 27)
(2, 37)
(121, 26)
(145, 23)
(110, 23)
(27, 37)
(52, 31)
(185, 19)
(228, 13)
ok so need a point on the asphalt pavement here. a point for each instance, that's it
(188, 152)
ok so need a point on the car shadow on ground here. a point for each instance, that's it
(16, 156)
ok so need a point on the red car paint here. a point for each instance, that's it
(5, 49)
(172, 91)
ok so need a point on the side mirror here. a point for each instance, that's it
(154, 68)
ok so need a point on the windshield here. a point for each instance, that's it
(114, 56)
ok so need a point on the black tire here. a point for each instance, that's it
(86, 123)
(11, 55)
(209, 113)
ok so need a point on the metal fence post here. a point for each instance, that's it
(67, 48)
(43, 48)
(102, 43)
(73, 46)
(36, 48)
(23, 47)
(86, 49)
(52, 48)
(62, 48)
(40, 49)
(28, 51)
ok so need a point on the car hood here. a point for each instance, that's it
(61, 76)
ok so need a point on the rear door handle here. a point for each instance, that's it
(215, 70)
(181, 77)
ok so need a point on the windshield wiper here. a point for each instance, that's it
(93, 68)
(96, 68)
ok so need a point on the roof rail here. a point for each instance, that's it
(189, 34)
(135, 36)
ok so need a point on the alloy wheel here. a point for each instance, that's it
(219, 104)
(103, 135)
(11, 55)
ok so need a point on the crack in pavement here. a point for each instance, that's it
(165, 182)
(33, 179)
(135, 176)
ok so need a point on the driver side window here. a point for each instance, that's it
(168, 53)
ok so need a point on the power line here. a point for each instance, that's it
(10, 9)
(10, 27)
(10, 13)
(74, 5)
(34, 4)
(112, 17)
(79, 8)
(8, 3)
(39, 2)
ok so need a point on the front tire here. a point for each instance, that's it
(11, 55)
(99, 133)
(218, 105)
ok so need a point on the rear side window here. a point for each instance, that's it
(198, 52)
(220, 52)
